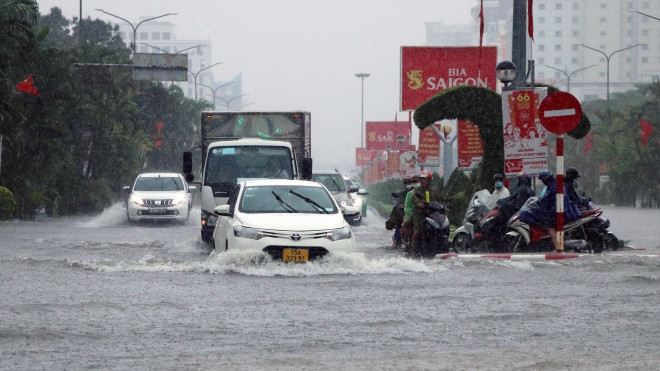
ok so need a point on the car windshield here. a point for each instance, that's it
(333, 182)
(158, 184)
(264, 199)
(231, 165)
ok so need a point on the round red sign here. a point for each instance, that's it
(560, 113)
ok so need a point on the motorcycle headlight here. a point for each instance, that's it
(211, 220)
(179, 200)
(136, 201)
(343, 233)
(246, 232)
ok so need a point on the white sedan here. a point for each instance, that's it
(291, 220)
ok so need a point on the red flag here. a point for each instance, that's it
(530, 19)
(647, 129)
(27, 86)
(588, 143)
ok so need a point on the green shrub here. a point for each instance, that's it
(7, 204)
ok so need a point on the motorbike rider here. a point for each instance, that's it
(422, 195)
(400, 200)
(513, 203)
(544, 213)
(500, 191)
(570, 183)
(409, 208)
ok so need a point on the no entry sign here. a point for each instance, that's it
(560, 113)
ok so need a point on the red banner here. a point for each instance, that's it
(426, 70)
(386, 135)
(428, 153)
(470, 148)
(392, 163)
(362, 156)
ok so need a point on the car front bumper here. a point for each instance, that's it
(317, 247)
(178, 213)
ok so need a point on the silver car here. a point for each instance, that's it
(343, 194)
(159, 196)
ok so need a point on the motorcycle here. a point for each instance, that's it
(435, 231)
(610, 241)
(580, 235)
(396, 217)
(478, 207)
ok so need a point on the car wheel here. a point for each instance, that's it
(461, 243)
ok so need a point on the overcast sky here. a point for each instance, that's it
(302, 54)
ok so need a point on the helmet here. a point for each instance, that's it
(545, 176)
(426, 174)
(415, 179)
(572, 173)
(497, 177)
(523, 178)
(408, 179)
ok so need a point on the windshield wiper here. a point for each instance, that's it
(310, 201)
(282, 203)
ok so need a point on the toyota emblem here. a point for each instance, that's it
(295, 237)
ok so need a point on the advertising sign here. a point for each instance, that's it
(362, 156)
(428, 153)
(426, 70)
(392, 163)
(525, 139)
(386, 135)
(407, 162)
(470, 149)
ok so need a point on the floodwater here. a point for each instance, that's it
(95, 293)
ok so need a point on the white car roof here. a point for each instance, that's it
(280, 182)
(156, 175)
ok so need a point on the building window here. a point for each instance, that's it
(601, 74)
(574, 47)
(629, 33)
(628, 74)
(144, 49)
(645, 19)
(645, 46)
(630, 5)
(558, 6)
(602, 33)
(541, 60)
(603, 5)
(602, 59)
(576, 33)
(645, 59)
(558, 47)
(541, 47)
(541, 6)
(576, 19)
(541, 75)
(576, 5)
(167, 36)
(629, 19)
(155, 36)
(603, 19)
(557, 19)
(541, 33)
(557, 60)
(557, 33)
(628, 60)
(557, 75)
(144, 35)
(602, 46)
(541, 19)
(645, 5)
(574, 61)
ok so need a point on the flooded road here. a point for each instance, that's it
(97, 293)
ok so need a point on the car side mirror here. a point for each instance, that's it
(353, 189)
(126, 188)
(363, 192)
(187, 163)
(222, 210)
(192, 188)
(306, 169)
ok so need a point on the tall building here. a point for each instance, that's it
(160, 37)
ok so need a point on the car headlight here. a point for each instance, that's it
(179, 201)
(136, 201)
(211, 220)
(245, 232)
(343, 233)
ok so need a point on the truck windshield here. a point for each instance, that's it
(158, 184)
(230, 165)
(333, 182)
(266, 199)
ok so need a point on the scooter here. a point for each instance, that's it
(435, 231)
(478, 207)
(579, 235)
(610, 241)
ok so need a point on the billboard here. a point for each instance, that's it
(362, 156)
(428, 152)
(386, 135)
(407, 162)
(427, 70)
(470, 148)
(525, 139)
(392, 163)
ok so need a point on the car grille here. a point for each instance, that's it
(303, 236)
(314, 251)
(157, 203)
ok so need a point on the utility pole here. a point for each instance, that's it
(519, 42)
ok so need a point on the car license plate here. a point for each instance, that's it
(295, 255)
(157, 211)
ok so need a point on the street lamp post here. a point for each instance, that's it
(362, 76)
(166, 52)
(607, 57)
(198, 72)
(229, 101)
(134, 45)
(216, 89)
(568, 76)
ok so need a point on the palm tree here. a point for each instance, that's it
(16, 35)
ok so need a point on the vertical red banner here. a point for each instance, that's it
(470, 148)
(392, 163)
(428, 152)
